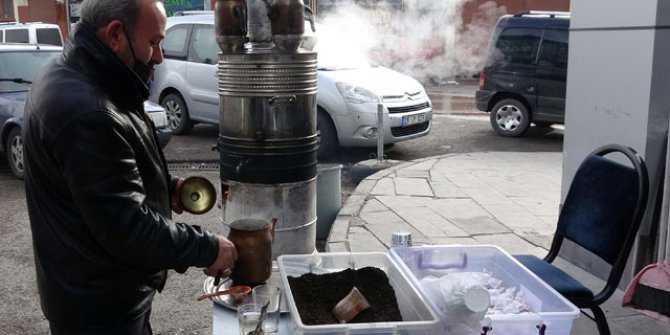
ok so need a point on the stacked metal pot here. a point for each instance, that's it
(267, 136)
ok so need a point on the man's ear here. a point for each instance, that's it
(113, 35)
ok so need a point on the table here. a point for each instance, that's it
(225, 321)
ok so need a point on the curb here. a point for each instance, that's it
(348, 216)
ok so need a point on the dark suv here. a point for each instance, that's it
(523, 80)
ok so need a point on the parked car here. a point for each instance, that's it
(192, 12)
(30, 32)
(186, 85)
(158, 115)
(524, 79)
(20, 64)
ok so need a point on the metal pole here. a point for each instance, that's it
(67, 18)
(380, 133)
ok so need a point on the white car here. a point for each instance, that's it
(349, 92)
(31, 32)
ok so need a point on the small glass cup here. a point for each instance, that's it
(401, 238)
(248, 316)
(271, 295)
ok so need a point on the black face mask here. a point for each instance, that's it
(144, 71)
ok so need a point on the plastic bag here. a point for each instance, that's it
(464, 298)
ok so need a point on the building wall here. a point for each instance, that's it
(617, 92)
(483, 14)
(473, 7)
(6, 11)
(50, 11)
(47, 11)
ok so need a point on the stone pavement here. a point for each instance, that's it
(508, 199)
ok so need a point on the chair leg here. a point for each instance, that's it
(601, 321)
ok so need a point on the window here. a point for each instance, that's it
(518, 45)
(205, 48)
(22, 65)
(554, 49)
(17, 36)
(49, 36)
(175, 43)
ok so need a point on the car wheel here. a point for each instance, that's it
(14, 152)
(509, 117)
(326, 135)
(177, 114)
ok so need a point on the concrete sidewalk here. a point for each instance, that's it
(508, 199)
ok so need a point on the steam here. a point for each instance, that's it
(426, 39)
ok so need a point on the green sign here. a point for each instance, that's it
(173, 6)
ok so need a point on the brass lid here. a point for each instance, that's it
(197, 195)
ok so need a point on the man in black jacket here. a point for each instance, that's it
(97, 186)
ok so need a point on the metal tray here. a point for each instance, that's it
(230, 303)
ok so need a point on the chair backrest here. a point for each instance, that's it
(604, 207)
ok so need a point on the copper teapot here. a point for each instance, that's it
(230, 23)
(287, 21)
(253, 240)
(286, 16)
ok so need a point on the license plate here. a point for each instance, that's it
(409, 120)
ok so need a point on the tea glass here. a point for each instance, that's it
(271, 295)
(248, 316)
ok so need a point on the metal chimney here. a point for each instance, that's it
(267, 133)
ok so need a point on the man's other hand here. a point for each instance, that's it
(225, 259)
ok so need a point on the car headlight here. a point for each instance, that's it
(356, 95)
(159, 119)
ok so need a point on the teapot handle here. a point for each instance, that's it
(268, 4)
(309, 15)
(273, 223)
(241, 14)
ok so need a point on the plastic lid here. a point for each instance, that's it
(477, 299)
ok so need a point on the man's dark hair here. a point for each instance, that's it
(99, 13)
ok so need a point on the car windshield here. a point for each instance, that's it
(22, 66)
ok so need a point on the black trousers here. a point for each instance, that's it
(140, 326)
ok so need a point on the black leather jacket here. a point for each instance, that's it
(98, 190)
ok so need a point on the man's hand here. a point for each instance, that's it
(175, 203)
(225, 259)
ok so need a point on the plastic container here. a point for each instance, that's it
(418, 316)
(548, 307)
(328, 197)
